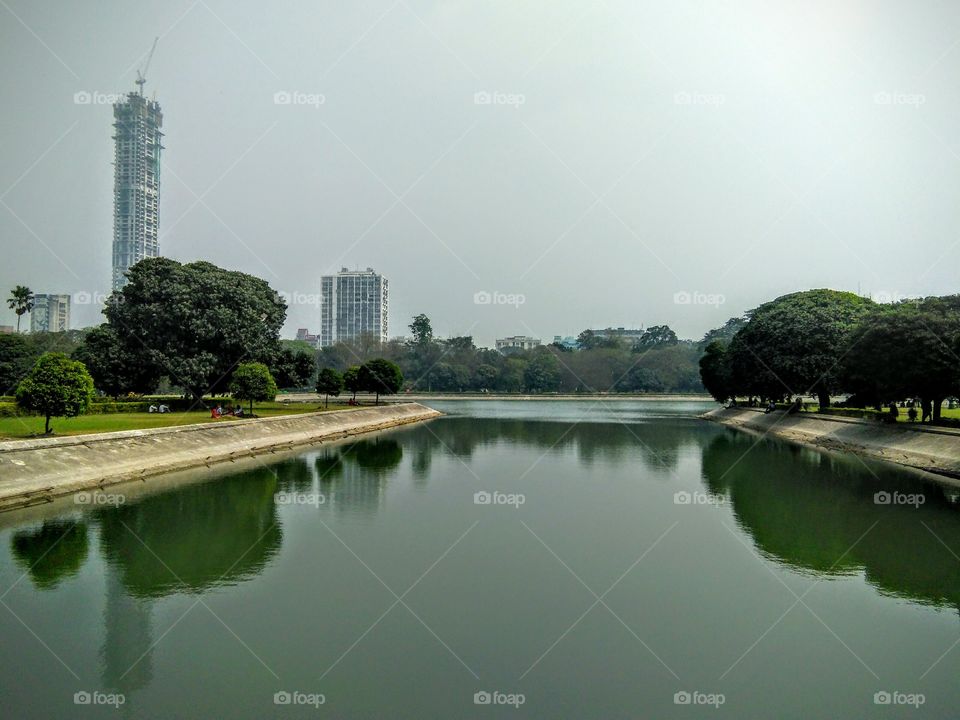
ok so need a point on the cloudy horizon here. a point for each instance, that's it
(611, 164)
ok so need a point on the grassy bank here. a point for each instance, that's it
(12, 428)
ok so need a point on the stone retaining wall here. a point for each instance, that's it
(34, 471)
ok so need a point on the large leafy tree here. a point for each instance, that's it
(21, 302)
(329, 382)
(253, 382)
(16, 358)
(196, 322)
(116, 368)
(794, 344)
(293, 368)
(907, 350)
(421, 329)
(56, 387)
(542, 373)
(656, 336)
(715, 371)
(381, 377)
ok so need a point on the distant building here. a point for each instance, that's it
(353, 303)
(51, 313)
(136, 182)
(628, 334)
(305, 335)
(517, 342)
(568, 342)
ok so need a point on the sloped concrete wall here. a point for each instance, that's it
(927, 448)
(34, 471)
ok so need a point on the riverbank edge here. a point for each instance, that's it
(931, 449)
(38, 471)
(293, 398)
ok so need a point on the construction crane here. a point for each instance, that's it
(142, 73)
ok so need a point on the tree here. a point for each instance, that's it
(715, 371)
(196, 322)
(486, 376)
(293, 368)
(906, 350)
(351, 380)
(21, 302)
(724, 333)
(794, 344)
(542, 373)
(421, 330)
(253, 381)
(656, 336)
(56, 387)
(16, 358)
(380, 376)
(329, 382)
(115, 369)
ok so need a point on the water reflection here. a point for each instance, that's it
(658, 442)
(355, 476)
(52, 552)
(816, 513)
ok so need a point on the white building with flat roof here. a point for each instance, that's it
(353, 303)
(51, 313)
(517, 342)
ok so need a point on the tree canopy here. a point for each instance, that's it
(56, 387)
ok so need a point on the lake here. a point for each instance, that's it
(580, 559)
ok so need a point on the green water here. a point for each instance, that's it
(366, 573)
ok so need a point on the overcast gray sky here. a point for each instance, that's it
(624, 151)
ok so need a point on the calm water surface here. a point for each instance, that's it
(629, 552)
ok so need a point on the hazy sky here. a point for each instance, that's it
(623, 152)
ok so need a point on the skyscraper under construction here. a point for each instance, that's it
(136, 183)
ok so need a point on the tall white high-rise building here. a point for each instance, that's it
(51, 313)
(136, 182)
(353, 303)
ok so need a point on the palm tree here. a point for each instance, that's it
(20, 301)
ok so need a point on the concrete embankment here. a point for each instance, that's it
(933, 449)
(36, 471)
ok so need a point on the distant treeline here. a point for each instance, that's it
(825, 342)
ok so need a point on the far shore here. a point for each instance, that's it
(427, 397)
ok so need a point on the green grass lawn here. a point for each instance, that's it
(903, 417)
(32, 426)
